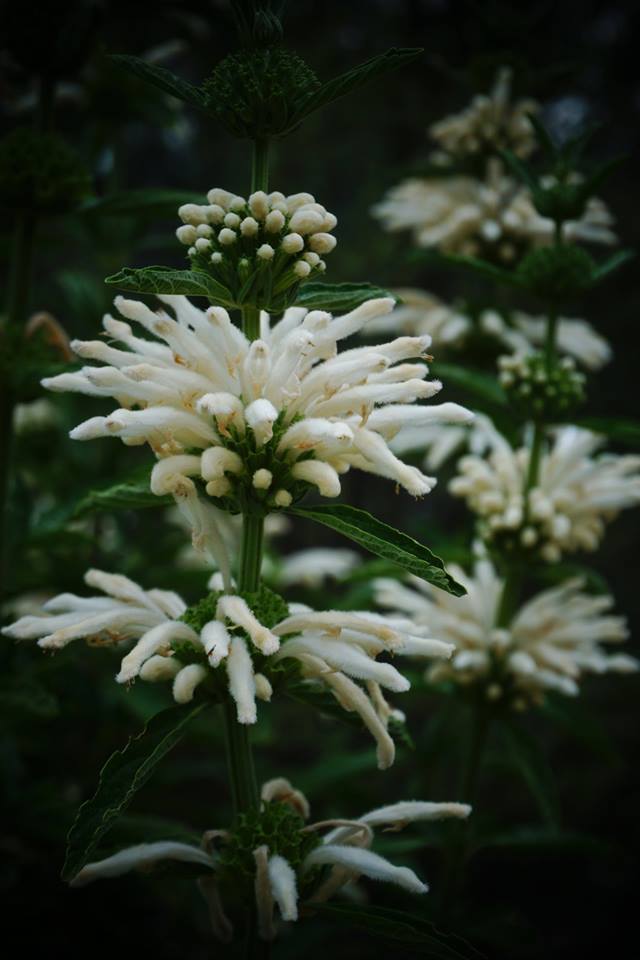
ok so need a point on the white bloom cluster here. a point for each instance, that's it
(575, 494)
(345, 848)
(494, 217)
(549, 643)
(257, 248)
(491, 122)
(333, 648)
(258, 420)
(310, 568)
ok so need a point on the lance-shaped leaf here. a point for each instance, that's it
(612, 264)
(155, 280)
(124, 773)
(475, 382)
(338, 297)
(383, 540)
(482, 268)
(618, 429)
(141, 203)
(133, 493)
(161, 78)
(348, 82)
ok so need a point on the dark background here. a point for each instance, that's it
(521, 900)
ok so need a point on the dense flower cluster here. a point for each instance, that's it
(259, 248)
(574, 495)
(223, 642)
(281, 861)
(258, 421)
(550, 641)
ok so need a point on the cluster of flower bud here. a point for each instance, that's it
(259, 249)
(541, 392)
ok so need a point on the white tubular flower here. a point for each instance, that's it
(342, 845)
(218, 640)
(490, 122)
(550, 642)
(222, 414)
(311, 567)
(577, 492)
(494, 216)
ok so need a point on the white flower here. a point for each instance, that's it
(550, 641)
(312, 567)
(423, 314)
(335, 649)
(345, 848)
(575, 495)
(216, 407)
(490, 122)
(494, 216)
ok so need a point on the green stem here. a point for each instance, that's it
(251, 322)
(260, 166)
(242, 776)
(535, 455)
(550, 339)
(510, 596)
(251, 552)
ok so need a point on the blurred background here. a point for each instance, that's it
(531, 892)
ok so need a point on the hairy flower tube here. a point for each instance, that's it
(575, 494)
(240, 646)
(271, 856)
(493, 217)
(258, 249)
(257, 424)
(549, 643)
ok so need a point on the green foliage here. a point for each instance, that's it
(557, 273)
(276, 825)
(383, 540)
(162, 79)
(258, 22)
(125, 772)
(618, 429)
(201, 612)
(266, 605)
(476, 383)
(527, 758)
(167, 280)
(338, 297)
(40, 174)
(133, 493)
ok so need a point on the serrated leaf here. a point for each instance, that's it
(384, 540)
(338, 297)
(397, 926)
(475, 382)
(161, 78)
(168, 280)
(146, 202)
(348, 82)
(132, 494)
(124, 773)
(618, 429)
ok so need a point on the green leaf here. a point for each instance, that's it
(475, 382)
(397, 926)
(124, 773)
(155, 280)
(618, 429)
(348, 82)
(338, 297)
(383, 540)
(520, 169)
(146, 202)
(131, 494)
(609, 266)
(525, 755)
(161, 78)
(482, 268)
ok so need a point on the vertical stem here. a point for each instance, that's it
(251, 552)
(242, 776)
(251, 322)
(260, 166)
(535, 454)
(550, 338)
(510, 596)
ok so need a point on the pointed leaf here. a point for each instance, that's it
(383, 540)
(133, 493)
(338, 297)
(522, 170)
(612, 264)
(474, 382)
(544, 139)
(161, 78)
(124, 773)
(155, 280)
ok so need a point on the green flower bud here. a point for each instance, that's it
(557, 273)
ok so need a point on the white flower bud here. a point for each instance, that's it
(283, 498)
(226, 237)
(237, 205)
(302, 269)
(219, 197)
(232, 220)
(265, 252)
(299, 200)
(202, 244)
(219, 487)
(262, 479)
(192, 213)
(276, 197)
(192, 251)
(292, 243)
(216, 257)
(259, 204)
(264, 689)
(203, 230)
(274, 221)
(322, 242)
(186, 234)
(330, 222)
(311, 258)
(215, 214)
(306, 221)
(249, 227)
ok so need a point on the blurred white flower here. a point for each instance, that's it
(423, 314)
(550, 641)
(576, 493)
(345, 848)
(310, 568)
(335, 649)
(39, 414)
(491, 122)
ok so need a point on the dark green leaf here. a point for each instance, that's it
(611, 265)
(131, 494)
(542, 134)
(525, 755)
(338, 297)
(482, 268)
(618, 429)
(348, 82)
(148, 203)
(122, 776)
(161, 78)
(520, 169)
(475, 382)
(383, 540)
(155, 280)
(397, 926)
